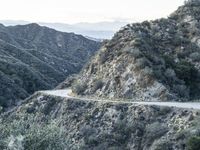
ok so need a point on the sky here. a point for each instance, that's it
(74, 11)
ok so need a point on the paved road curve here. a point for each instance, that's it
(66, 93)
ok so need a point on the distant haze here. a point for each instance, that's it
(100, 30)
(93, 18)
(74, 11)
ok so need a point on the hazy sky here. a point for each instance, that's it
(72, 11)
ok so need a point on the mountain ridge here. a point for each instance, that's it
(149, 61)
(48, 56)
(99, 30)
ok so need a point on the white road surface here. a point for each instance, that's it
(66, 94)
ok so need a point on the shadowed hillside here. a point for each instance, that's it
(36, 58)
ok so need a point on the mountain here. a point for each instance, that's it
(149, 61)
(157, 60)
(36, 58)
(100, 30)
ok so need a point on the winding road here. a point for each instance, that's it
(66, 94)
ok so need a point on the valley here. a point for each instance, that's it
(35, 58)
(139, 90)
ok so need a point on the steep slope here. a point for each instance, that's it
(45, 122)
(157, 60)
(34, 58)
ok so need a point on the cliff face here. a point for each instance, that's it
(34, 58)
(43, 122)
(157, 60)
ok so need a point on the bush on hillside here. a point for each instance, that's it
(141, 63)
(31, 135)
(193, 143)
(79, 87)
(102, 57)
(195, 56)
(98, 84)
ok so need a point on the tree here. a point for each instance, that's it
(193, 143)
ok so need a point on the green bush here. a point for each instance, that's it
(135, 52)
(98, 84)
(79, 87)
(188, 73)
(155, 131)
(141, 63)
(185, 81)
(193, 143)
(195, 56)
(102, 57)
(162, 145)
(31, 135)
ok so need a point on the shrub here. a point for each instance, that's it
(31, 135)
(141, 63)
(155, 131)
(90, 135)
(135, 52)
(181, 90)
(187, 72)
(1, 109)
(79, 87)
(46, 137)
(193, 143)
(138, 42)
(162, 144)
(98, 84)
(102, 57)
(195, 56)
(147, 71)
(170, 74)
(123, 130)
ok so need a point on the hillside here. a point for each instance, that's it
(46, 122)
(34, 58)
(150, 61)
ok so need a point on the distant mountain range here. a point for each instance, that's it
(33, 58)
(100, 30)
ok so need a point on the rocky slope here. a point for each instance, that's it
(45, 122)
(34, 58)
(157, 60)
